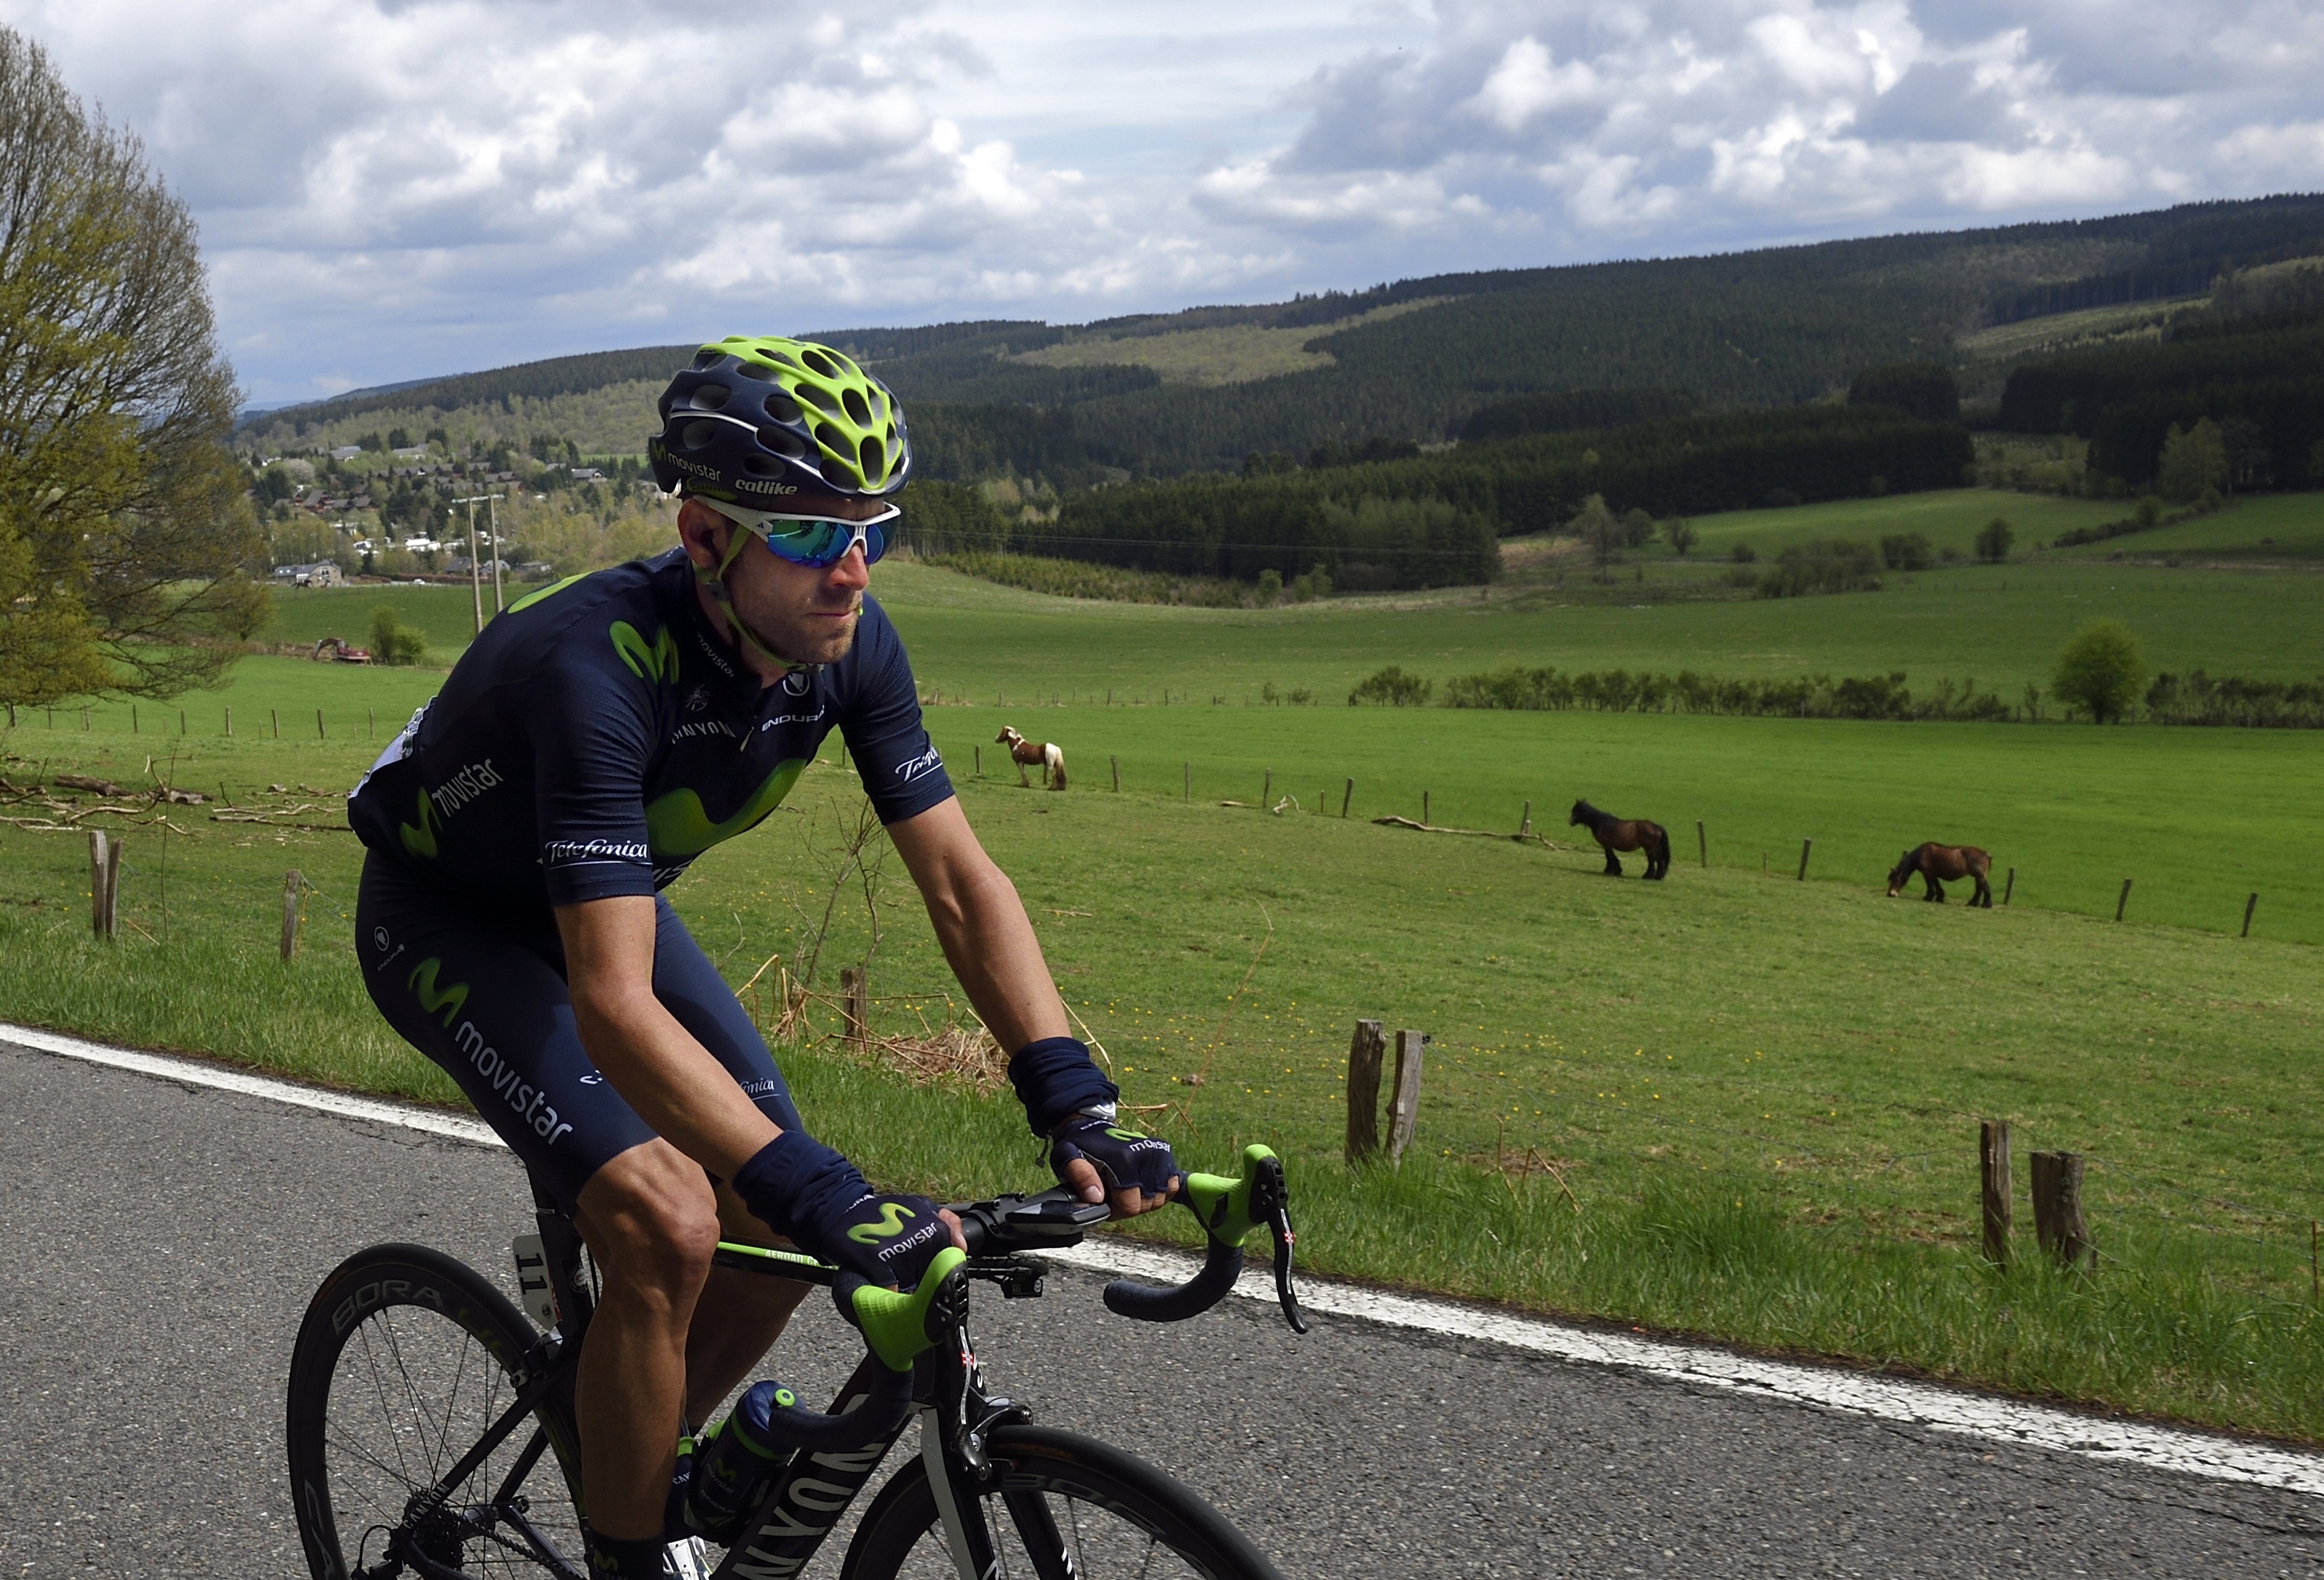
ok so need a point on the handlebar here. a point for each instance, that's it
(899, 1326)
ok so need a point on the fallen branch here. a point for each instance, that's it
(1472, 833)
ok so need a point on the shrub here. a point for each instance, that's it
(1271, 587)
(1828, 565)
(2100, 670)
(1743, 554)
(1681, 533)
(392, 641)
(1907, 551)
(1392, 687)
(1993, 541)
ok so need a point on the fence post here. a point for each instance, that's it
(1525, 823)
(1403, 1101)
(853, 1009)
(1805, 845)
(1117, 773)
(2250, 905)
(2058, 1207)
(1267, 788)
(1187, 770)
(133, 720)
(2009, 888)
(1363, 1091)
(319, 725)
(275, 714)
(292, 884)
(104, 883)
(1701, 842)
(1346, 796)
(181, 721)
(371, 723)
(1424, 806)
(1993, 1166)
(2122, 901)
(229, 721)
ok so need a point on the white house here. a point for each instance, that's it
(421, 545)
(322, 574)
(346, 452)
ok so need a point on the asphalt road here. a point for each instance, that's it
(160, 1242)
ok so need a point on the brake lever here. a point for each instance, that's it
(1270, 1198)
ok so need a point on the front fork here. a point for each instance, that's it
(956, 1422)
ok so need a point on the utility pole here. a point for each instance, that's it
(476, 573)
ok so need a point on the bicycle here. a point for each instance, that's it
(430, 1423)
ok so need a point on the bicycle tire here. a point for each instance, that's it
(1117, 1516)
(404, 1358)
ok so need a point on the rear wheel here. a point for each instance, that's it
(405, 1359)
(1058, 1505)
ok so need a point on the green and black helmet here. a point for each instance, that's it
(758, 416)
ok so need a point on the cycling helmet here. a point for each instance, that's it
(758, 416)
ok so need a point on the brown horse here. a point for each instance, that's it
(1624, 834)
(1025, 754)
(1947, 862)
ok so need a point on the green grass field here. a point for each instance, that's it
(1759, 1096)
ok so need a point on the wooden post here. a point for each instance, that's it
(1346, 796)
(1701, 842)
(1117, 773)
(979, 765)
(1805, 845)
(229, 721)
(1403, 1101)
(319, 725)
(2250, 905)
(2058, 1207)
(1424, 806)
(1363, 1091)
(182, 720)
(1993, 1166)
(104, 883)
(276, 715)
(2122, 901)
(853, 1008)
(292, 884)
(1266, 788)
(132, 719)
(2010, 887)
(84, 721)
(1525, 823)
(1188, 770)
(371, 723)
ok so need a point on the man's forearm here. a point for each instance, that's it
(673, 1082)
(990, 942)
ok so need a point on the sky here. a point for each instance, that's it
(388, 190)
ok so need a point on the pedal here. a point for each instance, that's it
(686, 1559)
(537, 1295)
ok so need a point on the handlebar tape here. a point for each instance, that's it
(1206, 1288)
(875, 1414)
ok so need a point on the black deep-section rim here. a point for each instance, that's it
(1070, 1471)
(404, 1357)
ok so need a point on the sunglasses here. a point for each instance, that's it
(821, 541)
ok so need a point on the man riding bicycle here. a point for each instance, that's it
(593, 740)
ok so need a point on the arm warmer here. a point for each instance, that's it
(1056, 1076)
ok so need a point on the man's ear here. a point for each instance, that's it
(698, 531)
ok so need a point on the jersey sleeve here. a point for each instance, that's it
(902, 773)
(593, 735)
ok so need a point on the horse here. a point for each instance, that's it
(1625, 833)
(1024, 754)
(1946, 862)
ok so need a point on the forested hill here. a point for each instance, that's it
(1161, 394)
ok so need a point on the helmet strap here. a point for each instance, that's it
(714, 583)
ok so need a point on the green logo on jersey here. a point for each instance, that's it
(654, 661)
(678, 826)
(422, 982)
(891, 1224)
(536, 595)
(422, 841)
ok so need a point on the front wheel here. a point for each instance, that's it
(406, 1360)
(1058, 1505)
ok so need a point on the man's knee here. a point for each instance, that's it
(651, 1218)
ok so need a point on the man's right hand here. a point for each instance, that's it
(884, 1239)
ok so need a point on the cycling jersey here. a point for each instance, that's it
(599, 736)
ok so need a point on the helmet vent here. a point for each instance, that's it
(833, 442)
(757, 370)
(708, 356)
(875, 461)
(759, 466)
(697, 434)
(711, 397)
(891, 433)
(856, 408)
(783, 409)
(816, 361)
(820, 399)
(781, 442)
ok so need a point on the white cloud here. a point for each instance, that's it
(391, 188)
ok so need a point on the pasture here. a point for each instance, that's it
(1732, 1104)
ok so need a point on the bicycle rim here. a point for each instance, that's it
(405, 1359)
(1105, 1514)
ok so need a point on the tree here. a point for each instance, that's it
(1637, 528)
(125, 525)
(2191, 462)
(1680, 532)
(1599, 528)
(1918, 388)
(392, 641)
(1993, 541)
(2100, 671)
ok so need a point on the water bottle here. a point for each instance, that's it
(733, 1463)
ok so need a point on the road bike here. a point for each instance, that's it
(431, 1432)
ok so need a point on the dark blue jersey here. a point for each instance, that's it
(599, 736)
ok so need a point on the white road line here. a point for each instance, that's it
(1917, 1404)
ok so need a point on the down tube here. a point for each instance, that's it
(809, 1496)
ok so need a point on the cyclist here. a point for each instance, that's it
(591, 742)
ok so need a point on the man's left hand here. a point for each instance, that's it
(1102, 1160)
